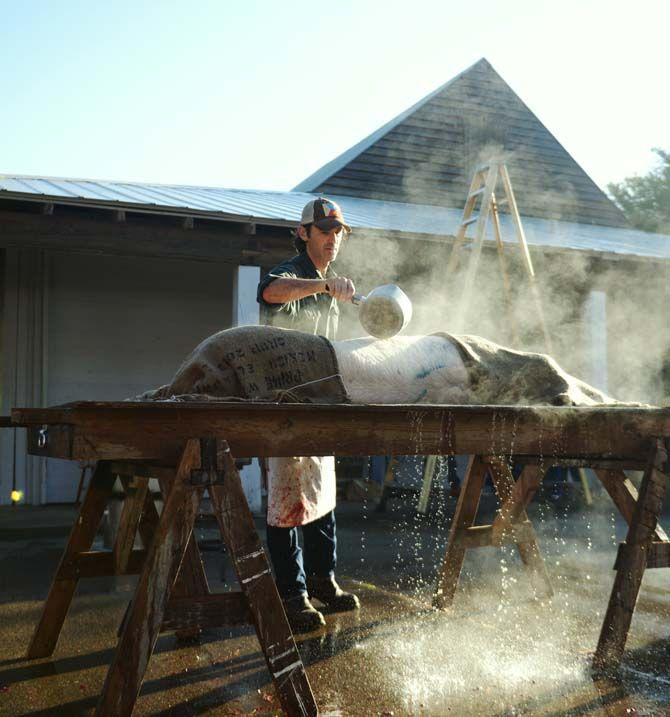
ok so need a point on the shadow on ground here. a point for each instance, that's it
(499, 651)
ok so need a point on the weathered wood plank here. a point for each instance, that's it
(633, 562)
(65, 582)
(624, 495)
(133, 237)
(149, 430)
(136, 468)
(256, 581)
(658, 555)
(464, 517)
(133, 505)
(206, 611)
(511, 499)
(483, 536)
(521, 493)
(56, 441)
(99, 563)
(152, 593)
(191, 578)
(567, 462)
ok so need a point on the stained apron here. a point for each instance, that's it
(300, 489)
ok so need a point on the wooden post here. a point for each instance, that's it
(464, 517)
(514, 496)
(624, 495)
(256, 581)
(517, 497)
(632, 562)
(64, 583)
(133, 505)
(152, 593)
(191, 579)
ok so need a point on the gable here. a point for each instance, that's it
(428, 155)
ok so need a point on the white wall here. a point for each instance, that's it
(595, 339)
(98, 328)
(23, 342)
(245, 312)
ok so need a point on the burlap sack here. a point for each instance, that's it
(260, 363)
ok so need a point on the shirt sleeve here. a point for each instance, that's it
(286, 269)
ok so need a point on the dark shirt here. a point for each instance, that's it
(315, 314)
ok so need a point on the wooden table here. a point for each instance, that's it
(189, 447)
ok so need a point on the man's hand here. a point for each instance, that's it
(340, 288)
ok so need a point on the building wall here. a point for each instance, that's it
(96, 328)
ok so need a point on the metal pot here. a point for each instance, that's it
(385, 311)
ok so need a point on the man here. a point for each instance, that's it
(303, 293)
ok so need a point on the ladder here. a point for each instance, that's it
(483, 192)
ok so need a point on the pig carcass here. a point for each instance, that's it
(269, 363)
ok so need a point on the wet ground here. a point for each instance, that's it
(499, 651)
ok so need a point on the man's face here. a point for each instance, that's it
(323, 245)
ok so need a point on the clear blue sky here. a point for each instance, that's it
(260, 94)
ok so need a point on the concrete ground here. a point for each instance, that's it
(498, 652)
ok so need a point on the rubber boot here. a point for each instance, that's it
(302, 615)
(331, 594)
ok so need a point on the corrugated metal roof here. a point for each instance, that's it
(283, 208)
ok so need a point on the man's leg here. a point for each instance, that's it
(320, 548)
(286, 557)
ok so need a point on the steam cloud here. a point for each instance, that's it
(638, 332)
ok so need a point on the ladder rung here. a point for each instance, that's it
(476, 193)
(503, 200)
(483, 168)
(472, 220)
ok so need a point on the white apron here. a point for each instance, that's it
(300, 489)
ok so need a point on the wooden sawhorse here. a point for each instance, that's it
(172, 592)
(646, 546)
(606, 438)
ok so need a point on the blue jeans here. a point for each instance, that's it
(317, 557)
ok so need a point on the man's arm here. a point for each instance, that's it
(284, 289)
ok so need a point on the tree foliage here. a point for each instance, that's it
(646, 200)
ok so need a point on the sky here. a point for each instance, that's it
(260, 94)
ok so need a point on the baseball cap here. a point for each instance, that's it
(323, 213)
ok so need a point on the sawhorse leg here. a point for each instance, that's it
(152, 593)
(512, 520)
(510, 525)
(464, 518)
(632, 561)
(205, 464)
(624, 495)
(257, 584)
(64, 583)
(191, 579)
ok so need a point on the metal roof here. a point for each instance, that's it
(283, 209)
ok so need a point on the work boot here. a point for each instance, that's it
(302, 615)
(331, 594)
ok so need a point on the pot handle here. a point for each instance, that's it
(356, 299)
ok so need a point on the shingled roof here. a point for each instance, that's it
(427, 155)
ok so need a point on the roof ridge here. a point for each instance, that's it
(348, 155)
(434, 144)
